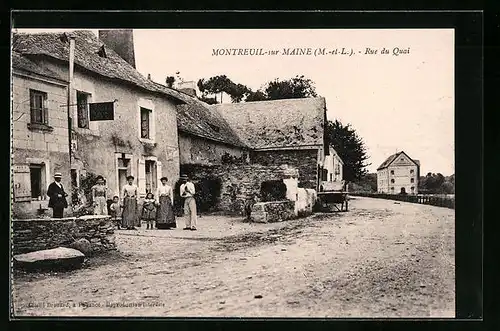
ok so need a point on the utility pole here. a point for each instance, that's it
(70, 96)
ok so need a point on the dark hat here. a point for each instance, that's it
(164, 178)
(184, 177)
(130, 177)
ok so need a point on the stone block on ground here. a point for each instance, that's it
(56, 258)
(273, 211)
(82, 245)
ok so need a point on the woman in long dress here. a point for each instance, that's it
(165, 218)
(99, 197)
(129, 196)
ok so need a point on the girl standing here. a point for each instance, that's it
(129, 196)
(149, 210)
(165, 218)
(99, 197)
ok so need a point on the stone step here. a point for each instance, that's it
(56, 258)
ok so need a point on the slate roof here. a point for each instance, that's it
(197, 118)
(391, 158)
(87, 45)
(277, 124)
(20, 62)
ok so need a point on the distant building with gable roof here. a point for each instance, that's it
(398, 174)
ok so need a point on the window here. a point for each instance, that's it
(412, 180)
(411, 171)
(150, 176)
(36, 181)
(392, 172)
(412, 189)
(392, 181)
(145, 125)
(82, 109)
(331, 177)
(38, 107)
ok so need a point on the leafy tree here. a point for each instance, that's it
(297, 87)
(215, 85)
(170, 81)
(256, 96)
(350, 147)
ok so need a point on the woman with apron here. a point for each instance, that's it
(165, 218)
(129, 196)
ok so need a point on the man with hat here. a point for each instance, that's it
(57, 196)
(187, 192)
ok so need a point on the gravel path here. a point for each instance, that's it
(380, 259)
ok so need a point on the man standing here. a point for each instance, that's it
(187, 192)
(57, 196)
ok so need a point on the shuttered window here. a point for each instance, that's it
(145, 128)
(21, 182)
(38, 107)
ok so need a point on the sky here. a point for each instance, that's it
(395, 103)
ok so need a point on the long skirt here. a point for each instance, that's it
(129, 215)
(101, 207)
(165, 218)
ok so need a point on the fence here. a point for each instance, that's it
(438, 201)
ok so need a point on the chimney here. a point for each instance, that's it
(121, 41)
(187, 87)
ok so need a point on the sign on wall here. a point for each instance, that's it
(102, 111)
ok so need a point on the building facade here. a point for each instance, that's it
(40, 137)
(398, 174)
(142, 138)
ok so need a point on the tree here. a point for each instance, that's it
(215, 85)
(256, 96)
(297, 87)
(350, 147)
(170, 81)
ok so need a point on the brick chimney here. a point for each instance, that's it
(187, 87)
(121, 41)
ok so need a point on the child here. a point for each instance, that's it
(115, 210)
(149, 210)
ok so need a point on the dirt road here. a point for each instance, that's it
(380, 259)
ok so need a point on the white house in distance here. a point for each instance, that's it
(399, 173)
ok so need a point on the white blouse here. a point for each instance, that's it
(164, 190)
(129, 191)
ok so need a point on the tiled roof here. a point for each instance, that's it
(19, 62)
(278, 123)
(87, 45)
(391, 158)
(198, 119)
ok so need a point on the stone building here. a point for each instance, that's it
(40, 137)
(278, 132)
(130, 144)
(398, 174)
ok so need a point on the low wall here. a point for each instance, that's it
(273, 211)
(306, 198)
(45, 233)
(420, 198)
(239, 182)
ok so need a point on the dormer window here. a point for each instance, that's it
(102, 52)
(214, 127)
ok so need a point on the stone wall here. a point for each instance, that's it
(239, 182)
(197, 150)
(273, 211)
(305, 161)
(36, 234)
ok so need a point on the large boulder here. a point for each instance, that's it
(56, 258)
(82, 245)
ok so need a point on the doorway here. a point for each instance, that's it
(403, 190)
(124, 170)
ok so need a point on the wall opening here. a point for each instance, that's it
(272, 190)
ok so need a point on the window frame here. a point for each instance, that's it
(44, 114)
(144, 110)
(40, 167)
(79, 110)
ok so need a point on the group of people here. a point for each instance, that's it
(157, 211)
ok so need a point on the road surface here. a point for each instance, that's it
(380, 259)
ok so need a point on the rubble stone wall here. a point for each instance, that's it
(305, 161)
(37, 234)
(239, 182)
(273, 211)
